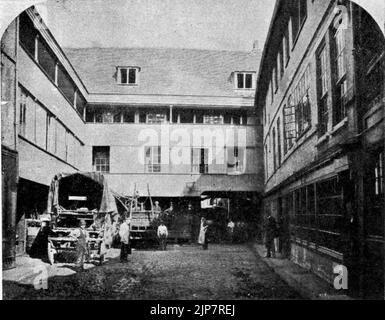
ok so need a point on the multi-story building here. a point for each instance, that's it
(321, 90)
(177, 123)
(42, 120)
(180, 121)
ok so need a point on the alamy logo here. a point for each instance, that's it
(341, 280)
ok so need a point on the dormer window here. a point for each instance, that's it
(128, 75)
(244, 80)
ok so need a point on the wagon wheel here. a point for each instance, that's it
(51, 253)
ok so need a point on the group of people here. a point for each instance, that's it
(272, 234)
(162, 235)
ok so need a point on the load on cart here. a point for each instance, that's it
(81, 198)
(142, 227)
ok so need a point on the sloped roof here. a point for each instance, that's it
(164, 71)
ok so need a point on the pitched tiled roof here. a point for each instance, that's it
(163, 71)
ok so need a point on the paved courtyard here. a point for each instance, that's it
(181, 272)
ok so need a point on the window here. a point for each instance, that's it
(23, 111)
(28, 34)
(286, 44)
(290, 133)
(70, 148)
(128, 75)
(61, 141)
(244, 80)
(227, 118)
(279, 151)
(213, 118)
(199, 160)
(128, 116)
(275, 78)
(108, 117)
(266, 163)
(339, 67)
(118, 114)
(73, 147)
(153, 159)
(186, 116)
(316, 214)
(235, 159)
(376, 196)
(323, 85)
(302, 103)
(46, 59)
(379, 175)
(36, 46)
(156, 117)
(90, 114)
(285, 140)
(298, 17)
(41, 126)
(51, 134)
(27, 118)
(329, 197)
(80, 103)
(66, 85)
(371, 39)
(101, 159)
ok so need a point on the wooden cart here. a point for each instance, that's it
(61, 242)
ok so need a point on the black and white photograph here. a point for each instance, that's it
(192, 150)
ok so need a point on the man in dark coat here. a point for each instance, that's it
(270, 234)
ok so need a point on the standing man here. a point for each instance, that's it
(202, 239)
(230, 227)
(270, 234)
(80, 234)
(124, 233)
(162, 234)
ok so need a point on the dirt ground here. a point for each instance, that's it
(182, 272)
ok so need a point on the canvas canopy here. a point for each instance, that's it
(90, 185)
(93, 193)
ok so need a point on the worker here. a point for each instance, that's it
(202, 239)
(157, 208)
(162, 234)
(80, 234)
(230, 228)
(124, 233)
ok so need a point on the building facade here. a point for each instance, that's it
(320, 92)
(176, 124)
(180, 121)
(42, 123)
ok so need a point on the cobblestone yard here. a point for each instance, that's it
(181, 272)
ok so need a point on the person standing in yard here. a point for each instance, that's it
(124, 233)
(162, 234)
(202, 239)
(230, 228)
(80, 234)
(270, 234)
